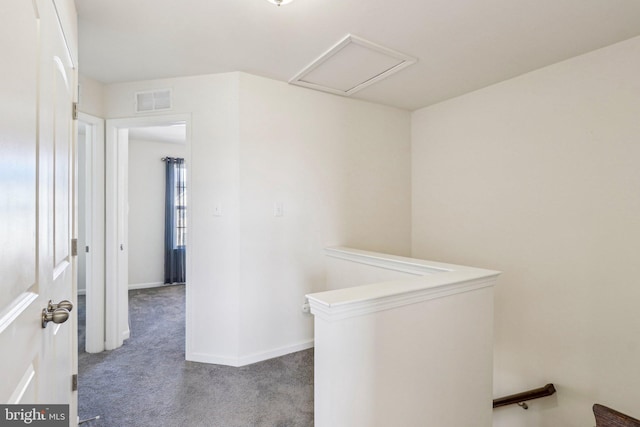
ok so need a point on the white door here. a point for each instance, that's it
(91, 222)
(36, 205)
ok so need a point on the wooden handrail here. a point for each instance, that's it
(607, 417)
(520, 398)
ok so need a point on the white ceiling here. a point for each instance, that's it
(461, 45)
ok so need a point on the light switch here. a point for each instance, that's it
(278, 209)
(217, 209)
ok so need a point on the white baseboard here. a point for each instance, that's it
(251, 358)
(133, 286)
(276, 352)
(212, 359)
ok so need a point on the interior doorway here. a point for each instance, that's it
(134, 150)
(157, 205)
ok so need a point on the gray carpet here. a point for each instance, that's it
(147, 382)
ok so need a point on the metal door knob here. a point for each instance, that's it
(62, 304)
(59, 315)
(56, 313)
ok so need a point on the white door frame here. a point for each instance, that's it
(116, 220)
(95, 232)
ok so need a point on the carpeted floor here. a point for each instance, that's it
(147, 382)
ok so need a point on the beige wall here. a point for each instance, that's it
(90, 96)
(539, 177)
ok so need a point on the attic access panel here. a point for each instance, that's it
(350, 66)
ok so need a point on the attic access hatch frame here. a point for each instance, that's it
(401, 61)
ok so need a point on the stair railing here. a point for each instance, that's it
(521, 398)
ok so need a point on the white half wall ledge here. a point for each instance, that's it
(391, 262)
(435, 280)
(396, 332)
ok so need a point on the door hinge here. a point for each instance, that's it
(74, 247)
(74, 110)
(74, 382)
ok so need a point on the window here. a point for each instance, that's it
(175, 225)
(180, 203)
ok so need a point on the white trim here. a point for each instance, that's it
(276, 352)
(405, 61)
(251, 358)
(95, 224)
(388, 262)
(111, 237)
(437, 280)
(123, 233)
(212, 359)
(331, 312)
(116, 297)
(134, 286)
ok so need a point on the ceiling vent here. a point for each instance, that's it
(350, 66)
(157, 100)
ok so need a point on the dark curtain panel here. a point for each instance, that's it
(175, 221)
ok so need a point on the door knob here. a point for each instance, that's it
(56, 313)
(59, 315)
(62, 304)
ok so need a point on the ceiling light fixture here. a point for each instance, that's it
(280, 2)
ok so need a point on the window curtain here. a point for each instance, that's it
(175, 221)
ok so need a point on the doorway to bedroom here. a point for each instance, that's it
(157, 206)
(145, 170)
(147, 217)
